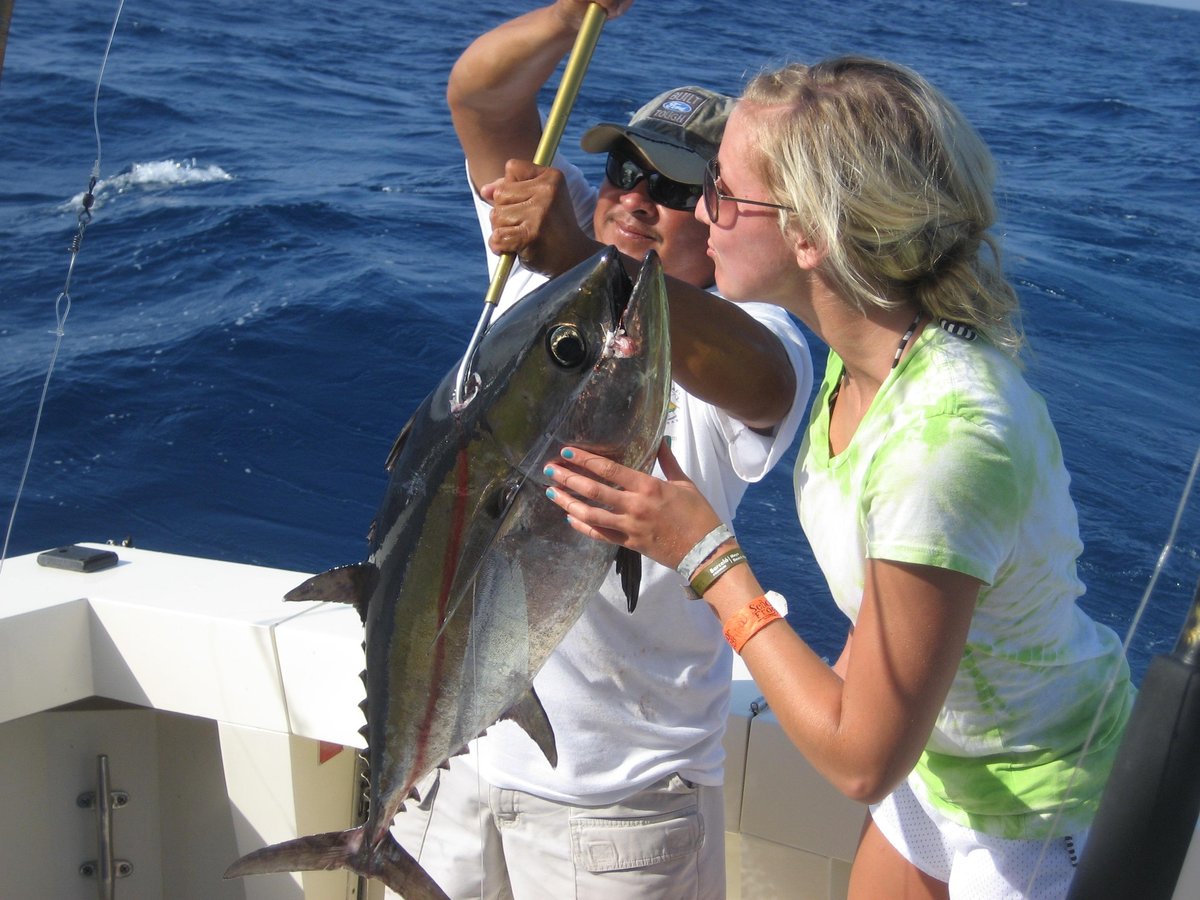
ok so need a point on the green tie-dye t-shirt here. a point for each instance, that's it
(957, 465)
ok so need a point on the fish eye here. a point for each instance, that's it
(502, 498)
(567, 346)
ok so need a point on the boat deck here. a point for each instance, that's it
(223, 716)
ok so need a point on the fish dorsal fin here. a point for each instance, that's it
(352, 584)
(629, 567)
(529, 714)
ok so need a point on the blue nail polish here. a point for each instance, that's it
(550, 493)
(568, 453)
(549, 471)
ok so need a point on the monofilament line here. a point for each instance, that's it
(1133, 627)
(62, 304)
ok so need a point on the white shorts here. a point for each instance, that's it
(977, 866)
(665, 842)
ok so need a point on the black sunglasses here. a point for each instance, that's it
(625, 173)
(713, 195)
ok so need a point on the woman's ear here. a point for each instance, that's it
(808, 254)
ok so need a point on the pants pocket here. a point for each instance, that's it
(633, 835)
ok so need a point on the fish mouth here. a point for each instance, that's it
(622, 299)
(629, 311)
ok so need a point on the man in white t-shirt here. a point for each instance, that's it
(637, 702)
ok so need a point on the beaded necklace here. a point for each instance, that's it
(895, 359)
(904, 340)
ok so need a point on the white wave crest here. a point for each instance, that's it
(164, 173)
(168, 171)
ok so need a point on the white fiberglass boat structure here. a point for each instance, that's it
(163, 716)
(167, 714)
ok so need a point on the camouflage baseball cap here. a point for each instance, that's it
(678, 132)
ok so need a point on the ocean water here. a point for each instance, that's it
(282, 259)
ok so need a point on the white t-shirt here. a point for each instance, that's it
(633, 698)
(956, 465)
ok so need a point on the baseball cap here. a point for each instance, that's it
(678, 132)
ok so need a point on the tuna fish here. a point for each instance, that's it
(473, 576)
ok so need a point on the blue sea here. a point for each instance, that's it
(282, 258)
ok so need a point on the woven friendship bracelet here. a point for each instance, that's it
(709, 573)
(703, 550)
(749, 621)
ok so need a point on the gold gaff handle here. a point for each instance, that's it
(564, 100)
(568, 90)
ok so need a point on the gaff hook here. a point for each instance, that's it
(568, 90)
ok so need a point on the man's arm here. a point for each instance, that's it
(494, 85)
(723, 355)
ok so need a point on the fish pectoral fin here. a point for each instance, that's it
(529, 714)
(398, 445)
(352, 584)
(629, 567)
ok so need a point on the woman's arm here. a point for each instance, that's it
(863, 732)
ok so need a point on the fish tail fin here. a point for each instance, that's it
(393, 865)
(387, 861)
(312, 852)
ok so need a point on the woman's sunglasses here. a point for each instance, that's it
(624, 173)
(713, 195)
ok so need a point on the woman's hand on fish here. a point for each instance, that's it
(605, 500)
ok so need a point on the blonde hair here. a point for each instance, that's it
(888, 177)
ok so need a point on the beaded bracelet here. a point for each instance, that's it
(749, 621)
(703, 549)
(709, 573)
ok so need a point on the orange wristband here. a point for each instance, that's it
(749, 621)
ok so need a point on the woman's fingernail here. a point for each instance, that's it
(550, 493)
(549, 470)
(568, 453)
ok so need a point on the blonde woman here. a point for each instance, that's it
(930, 485)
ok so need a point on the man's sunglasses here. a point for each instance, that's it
(625, 173)
(713, 194)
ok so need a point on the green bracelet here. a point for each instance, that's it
(712, 571)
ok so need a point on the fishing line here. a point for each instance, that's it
(62, 304)
(1133, 627)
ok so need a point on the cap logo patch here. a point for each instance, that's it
(679, 107)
